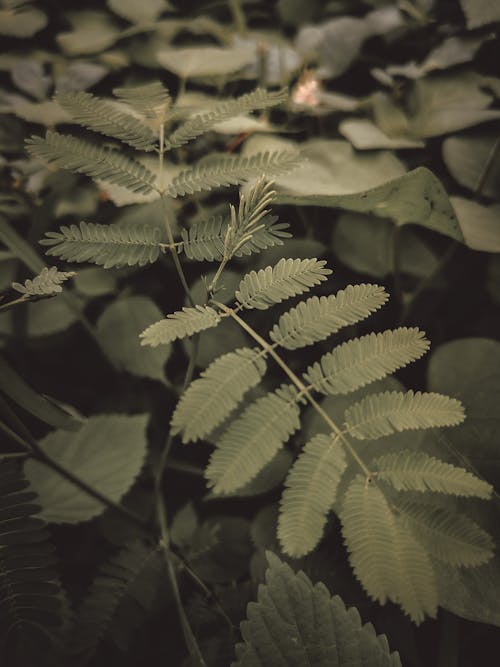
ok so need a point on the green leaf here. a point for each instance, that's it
(30, 592)
(145, 11)
(480, 12)
(448, 536)
(416, 471)
(180, 324)
(150, 100)
(107, 453)
(107, 245)
(385, 556)
(382, 414)
(46, 283)
(203, 122)
(297, 623)
(252, 440)
(92, 32)
(99, 163)
(467, 157)
(417, 198)
(202, 61)
(21, 21)
(365, 135)
(317, 318)
(310, 492)
(118, 330)
(119, 598)
(210, 399)
(13, 386)
(231, 171)
(288, 278)
(100, 116)
(479, 224)
(366, 359)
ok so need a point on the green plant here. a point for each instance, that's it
(397, 508)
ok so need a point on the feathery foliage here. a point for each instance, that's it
(117, 600)
(382, 414)
(204, 241)
(231, 171)
(180, 324)
(317, 318)
(363, 360)
(416, 471)
(106, 245)
(99, 163)
(210, 399)
(448, 536)
(30, 595)
(310, 491)
(287, 278)
(245, 222)
(46, 283)
(296, 622)
(251, 441)
(151, 100)
(203, 122)
(386, 557)
(100, 116)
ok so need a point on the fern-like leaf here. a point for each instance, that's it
(204, 241)
(106, 245)
(46, 283)
(100, 116)
(317, 318)
(287, 278)
(363, 360)
(124, 586)
(310, 491)
(180, 324)
(99, 163)
(416, 471)
(296, 623)
(251, 441)
(30, 595)
(231, 171)
(203, 122)
(448, 536)
(382, 414)
(151, 100)
(210, 399)
(386, 557)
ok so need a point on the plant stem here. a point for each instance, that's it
(173, 251)
(33, 450)
(487, 168)
(15, 302)
(239, 19)
(304, 391)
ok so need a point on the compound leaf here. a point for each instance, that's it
(317, 318)
(310, 491)
(363, 360)
(210, 399)
(180, 324)
(284, 280)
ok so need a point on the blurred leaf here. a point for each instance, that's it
(363, 135)
(448, 103)
(206, 60)
(298, 12)
(118, 330)
(81, 201)
(467, 158)
(93, 32)
(184, 526)
(28, 75)
(480, 12)
(227, 336)
(365, 244)
(22, 21)
(95, 281)
(21, 393)
(480, 224)
(78, 75)
(107, 452)
(47, 113)
(144, 11)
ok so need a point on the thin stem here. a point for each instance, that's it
(239, 19)
(487, 168)
(304, 391)
(33, 449)
(161, 154)
(173, 252)
(15, 302)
